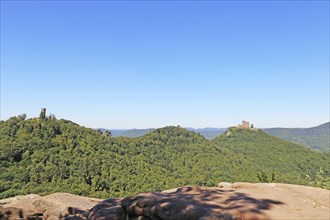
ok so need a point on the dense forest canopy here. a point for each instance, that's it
(45, 155)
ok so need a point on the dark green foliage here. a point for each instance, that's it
(315, 138)
(273, 158)
(321, 179)
(50, 155)
(263, 177)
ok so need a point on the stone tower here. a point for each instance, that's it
(42, 113)
(245, 124)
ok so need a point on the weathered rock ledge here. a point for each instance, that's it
(228, 201)
(51, 207)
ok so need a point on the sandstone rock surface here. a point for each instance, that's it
(50, 207)
(227, 201)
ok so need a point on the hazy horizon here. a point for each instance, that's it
(144, 64)
(165, 125)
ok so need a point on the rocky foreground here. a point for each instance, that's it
(228, 201)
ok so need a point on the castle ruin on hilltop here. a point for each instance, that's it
(245, 124)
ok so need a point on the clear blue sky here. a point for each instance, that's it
(143, 64)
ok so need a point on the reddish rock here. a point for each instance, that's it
(228, 201)
(54, 206)
(231, 201)
(109, 209)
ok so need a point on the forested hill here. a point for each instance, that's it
(49, 155)
(316, 137)
(281, 159)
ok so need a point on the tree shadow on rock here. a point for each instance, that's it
(74, 214)
(194, 203)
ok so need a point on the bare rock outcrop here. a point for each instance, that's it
(226, 202)
(187, 203)
(50, 207)
(108, 209)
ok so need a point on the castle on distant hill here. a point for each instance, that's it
(245, 124)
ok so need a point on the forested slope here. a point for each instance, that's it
(275, 159)
(49, 155)
(316, 137)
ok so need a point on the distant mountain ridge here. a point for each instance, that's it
(132, 133)
(315, 137)
(208, 133)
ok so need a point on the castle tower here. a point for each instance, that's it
(245, 124)
(42, 113)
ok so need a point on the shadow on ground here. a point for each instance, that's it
(191, 203)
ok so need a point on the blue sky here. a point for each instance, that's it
(141, 64)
